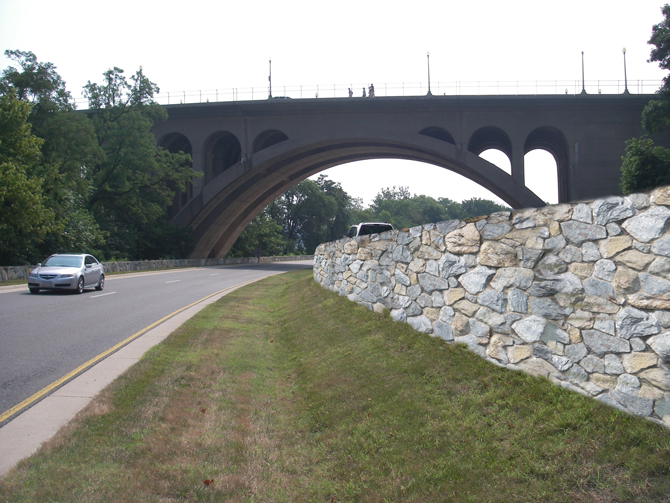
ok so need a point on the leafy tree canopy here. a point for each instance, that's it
(134, 181)
(645, 166)
(97, 177)
(656, 114)
(400, 208)
(262, 237)
(35, 82)
(24, 217)
(67, 146)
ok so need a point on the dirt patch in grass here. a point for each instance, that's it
(284, 392)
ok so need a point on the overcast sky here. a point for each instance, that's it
(209, 45)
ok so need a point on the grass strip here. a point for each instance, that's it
(284, 392)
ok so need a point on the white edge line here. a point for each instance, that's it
(102, 295)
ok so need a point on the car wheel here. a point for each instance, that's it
(80, 285)
(34, 290)
(101, 283)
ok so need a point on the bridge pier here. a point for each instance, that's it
(517, 161)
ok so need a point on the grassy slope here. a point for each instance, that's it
(284, 392)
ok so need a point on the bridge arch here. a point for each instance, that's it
(490, 137)
(222, 150)
(267, 139)
(219, 220)
(176, 142)
(438, 133)
(553, 141)
(245, 167)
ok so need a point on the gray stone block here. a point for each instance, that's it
(547, 308)
(443, 330)
(649, 224)
(576, 351)
(631, 322)
(579, 232)
(493, 299)
(611, 209)
(475, 281)
(633, 404)
(601, 344)
(518, 300)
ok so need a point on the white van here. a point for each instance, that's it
(365, 228)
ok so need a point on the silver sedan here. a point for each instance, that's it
(67, 272)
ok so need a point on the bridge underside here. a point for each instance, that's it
(219, 214)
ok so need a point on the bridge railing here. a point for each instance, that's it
(454, 88)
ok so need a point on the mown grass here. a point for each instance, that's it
(284, 392)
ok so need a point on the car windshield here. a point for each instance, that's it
(63, 261)
(373, 229)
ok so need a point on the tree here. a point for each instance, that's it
(134, 181)
(476, 207)
(305, 213)
(262, 237)
(35, 82)
(345, 205)
(24, 218)
(644, 165)
(99, 175)
(399, 207)
(68, 146)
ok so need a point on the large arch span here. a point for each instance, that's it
(218, 221)
(251, 152)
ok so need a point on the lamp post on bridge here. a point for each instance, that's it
(583, 89)
(270, 80)
(428, 57)
(625, 76)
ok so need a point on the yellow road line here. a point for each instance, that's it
(102, 355)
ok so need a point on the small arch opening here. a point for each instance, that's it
(267, 139)
(222, 152)
(541, 175)
(547, 169)
(438, 133)
(488, 138)
(499, 158)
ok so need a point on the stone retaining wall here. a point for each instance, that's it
(578, 293)
(21, 272)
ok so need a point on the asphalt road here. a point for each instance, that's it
(43, 337)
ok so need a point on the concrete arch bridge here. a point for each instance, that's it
(251, 152)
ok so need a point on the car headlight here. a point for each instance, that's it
(63, 276)
(32, 274)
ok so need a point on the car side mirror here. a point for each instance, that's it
(88, 266)
(39, 264)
